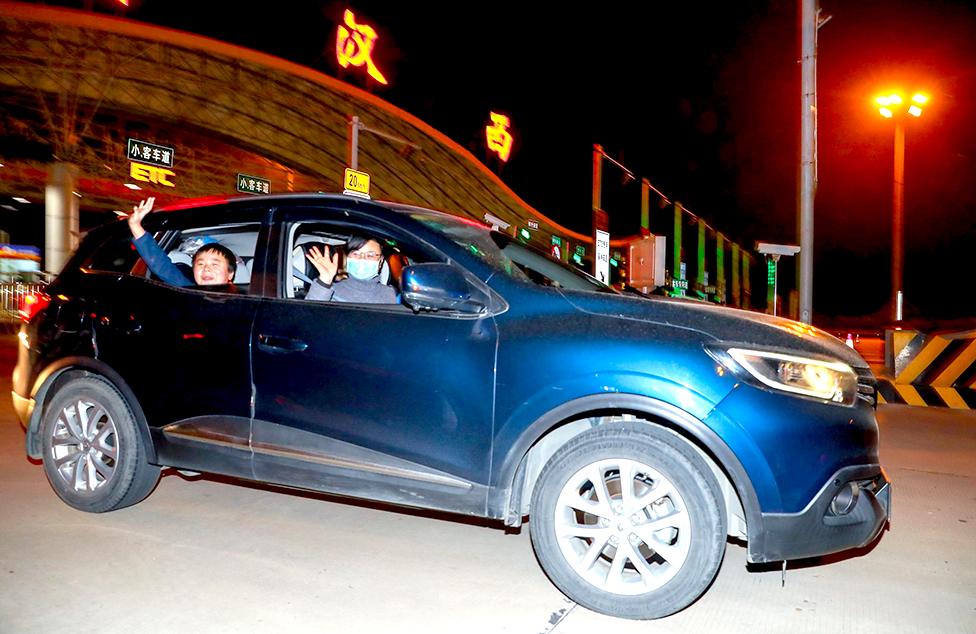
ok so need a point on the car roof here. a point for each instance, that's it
(395, 206)
(206, 201)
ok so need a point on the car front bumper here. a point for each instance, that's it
(849, 512)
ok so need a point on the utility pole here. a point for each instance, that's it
(808, 154)
(898, 222)
(600, 219)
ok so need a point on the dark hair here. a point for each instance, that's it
(227, 254)
(357, 242)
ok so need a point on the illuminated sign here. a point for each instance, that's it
(580, 250)
(253, 184)
(146, 152)
(498, 137)
(533, 224)
(556, 240)
(355, 183)
(151, 174)
(602, 251)
(682, 284)
(354, 46)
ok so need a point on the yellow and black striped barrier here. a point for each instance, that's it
(931, 370)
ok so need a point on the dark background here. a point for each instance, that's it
(702, 99)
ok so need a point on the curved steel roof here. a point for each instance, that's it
(76, 85)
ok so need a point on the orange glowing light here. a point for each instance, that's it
(892, 105)
(498, 137)
(354, 46)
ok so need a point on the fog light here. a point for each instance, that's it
(845, 500)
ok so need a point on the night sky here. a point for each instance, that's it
(701, 99)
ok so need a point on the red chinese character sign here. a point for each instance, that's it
(354, 46)
(498, 137)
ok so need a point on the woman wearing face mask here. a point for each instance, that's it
(364, 260)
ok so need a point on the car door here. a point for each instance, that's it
(371, 400)
(184, 352)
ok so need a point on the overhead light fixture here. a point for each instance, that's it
(119, 213)
(10, 207)
(132, 186)
(76, 194)
(21, 200)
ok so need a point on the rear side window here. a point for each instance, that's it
(118, 255)
(115, 256)
(241, 239)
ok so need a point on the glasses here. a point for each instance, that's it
(372, 256)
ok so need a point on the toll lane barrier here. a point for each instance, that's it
(930, 370)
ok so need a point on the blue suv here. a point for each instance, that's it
(636, 434)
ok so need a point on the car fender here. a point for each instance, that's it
(678, 418)
(49, 376)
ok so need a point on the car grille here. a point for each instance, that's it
(867, 386)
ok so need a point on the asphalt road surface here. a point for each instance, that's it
(208, 555)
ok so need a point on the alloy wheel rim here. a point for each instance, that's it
(85, 446)
(622, 526)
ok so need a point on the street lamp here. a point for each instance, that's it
(893, 107)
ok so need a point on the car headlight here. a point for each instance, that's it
(832, 381)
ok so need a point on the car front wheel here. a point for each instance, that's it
(94, 456)
(627, 520)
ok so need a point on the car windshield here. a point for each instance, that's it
(509, 256)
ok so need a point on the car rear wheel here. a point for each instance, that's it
(627, 520)
(94, 456)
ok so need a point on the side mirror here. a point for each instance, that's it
(439, 286)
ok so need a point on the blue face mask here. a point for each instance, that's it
(362, 269)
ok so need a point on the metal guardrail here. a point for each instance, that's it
(11, 295)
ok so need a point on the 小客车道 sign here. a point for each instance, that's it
(253, 184)
(150, 153)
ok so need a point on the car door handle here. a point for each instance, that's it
(274, 343)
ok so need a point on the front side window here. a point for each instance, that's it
(507, 255)
(339, 262)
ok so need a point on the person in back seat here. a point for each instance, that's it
(213, 263)
(364, 260)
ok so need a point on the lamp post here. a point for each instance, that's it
(601, 221)
(893, 107)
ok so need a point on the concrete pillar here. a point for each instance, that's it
(61, 227)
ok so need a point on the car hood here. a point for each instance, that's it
(719, 323)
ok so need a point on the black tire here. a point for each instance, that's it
(680, 536)
(94, 456)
